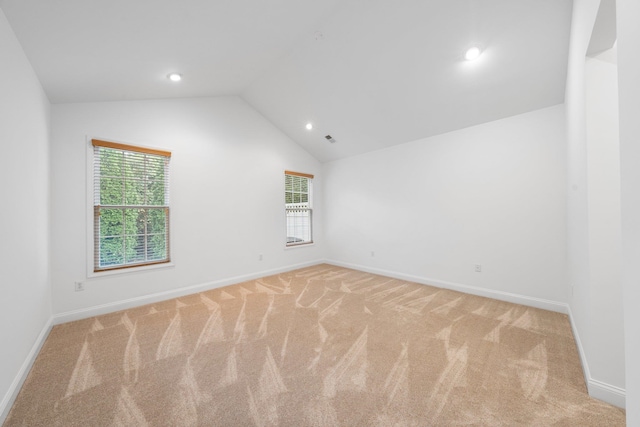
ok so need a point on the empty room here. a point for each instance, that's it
(335, 213)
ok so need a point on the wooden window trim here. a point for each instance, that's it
(123, 267)
(305, 175)
(127, 147)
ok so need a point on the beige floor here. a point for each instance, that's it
(320, 346)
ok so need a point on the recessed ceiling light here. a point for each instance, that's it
(473, 53)
(309, 126)
(175, 77)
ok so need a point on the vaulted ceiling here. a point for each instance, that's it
(370, 73)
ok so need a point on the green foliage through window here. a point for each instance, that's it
(296, 189)
(131, 203)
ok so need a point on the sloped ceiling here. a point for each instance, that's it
(108, 50)
(604, 33)
(370, 73)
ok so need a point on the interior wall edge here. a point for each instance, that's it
(21, 376)
(597, 389)
(70, 316)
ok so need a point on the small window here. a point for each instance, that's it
(297, 201)
(131, 206)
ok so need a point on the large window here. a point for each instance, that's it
(297, 197)
(131, 206)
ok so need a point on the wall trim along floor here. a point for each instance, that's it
(56, 319)
(597, 389)
(174, 293)
(21, 376)
(544, 304)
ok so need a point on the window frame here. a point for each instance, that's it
(309, 209)
(93, 236)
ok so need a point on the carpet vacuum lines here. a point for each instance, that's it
(318, 346)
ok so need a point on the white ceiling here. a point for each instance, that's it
(372, 73)
(604, 32)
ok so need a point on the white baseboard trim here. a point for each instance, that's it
(581, 353)
(607, 393)
(597, 389)
(97, 310)
(21, 376)
(473, 290)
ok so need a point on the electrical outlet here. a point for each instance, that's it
(373, 253)
(260, 257)
(478, 268)
(79, 286)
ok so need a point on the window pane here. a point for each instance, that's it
(156, 247)
(111, 190)
(134, 221)
(124, 234)
(298, 226)
(134, 192)
(155, 193)
(156, 221)
(155, 168)
(135, 249)
(111, 163)
(111, 222)
(111, 251)
(298, 213)
(134, 165)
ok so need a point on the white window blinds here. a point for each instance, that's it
(298, 208)
(131, 206)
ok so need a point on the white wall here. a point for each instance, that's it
(593, 207)
(227, 196)
(492, 194)
(25, 297)
(606, 323)
(629, 94)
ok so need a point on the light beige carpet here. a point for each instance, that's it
(320, 346)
